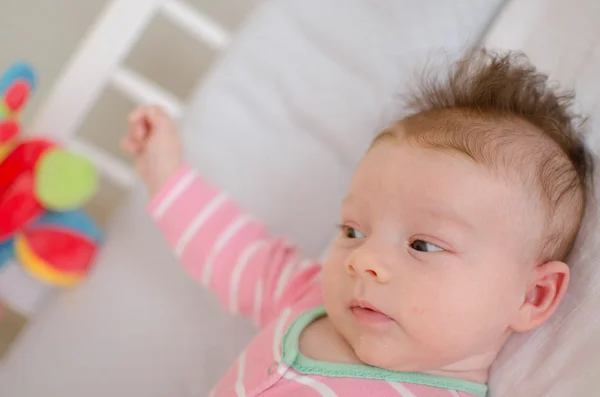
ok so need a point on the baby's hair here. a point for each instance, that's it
(500, 111)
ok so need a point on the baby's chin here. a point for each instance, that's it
(398, 357)
(384, 353)
(388, 359)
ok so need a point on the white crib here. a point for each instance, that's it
(99, 62)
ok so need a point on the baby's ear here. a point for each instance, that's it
(545, 292)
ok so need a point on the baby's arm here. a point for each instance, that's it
(227, 250)
(220, 245)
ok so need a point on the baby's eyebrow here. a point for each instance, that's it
(355, 201)
(430, 211)
(447, 215)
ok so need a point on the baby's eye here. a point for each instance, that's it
(424, 246)
(351, 233)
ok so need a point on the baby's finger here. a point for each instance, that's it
(138, 114)
(130, 145)
(139, 129)
(156, 115)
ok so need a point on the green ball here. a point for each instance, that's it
(64, 181)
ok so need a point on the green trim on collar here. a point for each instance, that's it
(305, 365)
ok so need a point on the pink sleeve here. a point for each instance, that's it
(229, 251)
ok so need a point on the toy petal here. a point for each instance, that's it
(4, 111)
(64, 180)
(18, 207)
(76, 221)
(9, 129)
(16, 95)
(53, 258)
(21, 160)
(59, 247)
(7, 252)
(30, 151)
(18, 70)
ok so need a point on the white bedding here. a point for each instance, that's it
(562, 358)
(280, 123)
(291, 108)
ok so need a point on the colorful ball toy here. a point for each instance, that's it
(42, 187)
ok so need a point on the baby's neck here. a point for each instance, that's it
(474, 369)
(321, 341)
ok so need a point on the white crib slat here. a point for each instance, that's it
(143, 91)
(108, 42)
(106, 164)
(196, 24)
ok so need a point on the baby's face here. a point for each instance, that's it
(432, 261)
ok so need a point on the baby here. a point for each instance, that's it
(452, 237)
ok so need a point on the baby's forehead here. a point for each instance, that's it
(509, 146)
(397, 172)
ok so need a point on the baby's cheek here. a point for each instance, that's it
(329, 274)
(435, 316)
(417, 311)
(332, 281)
(334, 267)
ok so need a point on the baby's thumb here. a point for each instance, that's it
(130, 145)
(139, 130)
(156, 117)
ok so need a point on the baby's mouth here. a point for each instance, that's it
(367, 314)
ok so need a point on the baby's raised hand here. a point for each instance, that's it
(154, 143)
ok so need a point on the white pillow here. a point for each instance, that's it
(561, 358)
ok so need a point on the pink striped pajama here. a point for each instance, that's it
(265, 278)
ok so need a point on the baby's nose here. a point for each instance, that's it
(369, 268)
